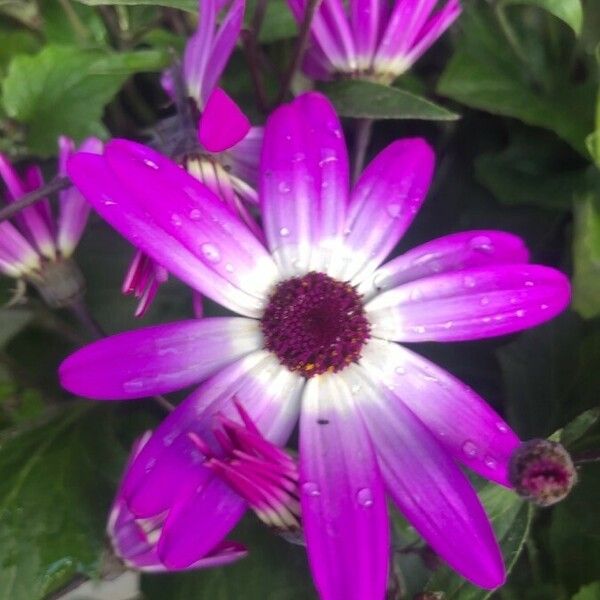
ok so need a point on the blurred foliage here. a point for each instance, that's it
(522, 75)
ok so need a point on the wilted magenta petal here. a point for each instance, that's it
(304, 183)
(268, 392)
(470, 304)
(222, 124)
(427, 486)
(454, 252)
(343, 504)
(461, 421)
(384, 203)
(158, 359)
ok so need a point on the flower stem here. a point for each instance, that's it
(301, 44)
(252, 51)
(57, 184)
(364, 128)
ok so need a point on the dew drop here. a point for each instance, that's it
(428, 376)
(400, 370)
(469, 282)
(520, 313)
(327, 156)
(298, 157)
(176, 220)
(150, 163)
(394, 209)
(544, 307)
(529, 284)
(469, 448)
(356, 388)
(195, 214)
(502, 427)
(379, 281)
(211, 252)
(310, 488)
(284, 232)
(229, 268)
(347, 231)
(484, 301)
(416, 294)
(108, 201)
(284, 187)
(364, 497)
(134, 385)
(419, 329)
(490, 462)
(448, 325)
(150, 465)
(482, 243)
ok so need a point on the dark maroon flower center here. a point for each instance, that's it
(315, 324)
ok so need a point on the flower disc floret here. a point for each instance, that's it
(315, 324)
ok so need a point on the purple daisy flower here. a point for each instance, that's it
(316, 341)
(225, 154)
(372, 39)
(34, 247)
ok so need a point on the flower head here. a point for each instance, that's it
(36, 248)
(372, 39)
(376, 419)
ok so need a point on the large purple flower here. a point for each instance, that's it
(317, 340)
(372, 39)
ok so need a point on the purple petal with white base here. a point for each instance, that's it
(470, 304)
(343, 503)
(158, 359)
(304, 184)
(427, 486)
(222, 124)
(453, 252)
(384, 203)
(456, 415)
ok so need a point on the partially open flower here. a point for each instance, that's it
(33, 246)
(378, 40)
(260, 472)
(542, 471)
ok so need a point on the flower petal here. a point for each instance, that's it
(470, 304)
(461, 421)
(427, 486)
(270, 395)
(454, 252)
(365, 18)
(304, 184)
(222, 124)
(343, 503)
(384, 202)
(158, 359)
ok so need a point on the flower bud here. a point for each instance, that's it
(59, 282)
(542, 471)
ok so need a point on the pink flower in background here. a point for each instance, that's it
(224, 154)
(316, 341)
(35, 243)
(372, 39)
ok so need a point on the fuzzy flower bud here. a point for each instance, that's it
(542, 472)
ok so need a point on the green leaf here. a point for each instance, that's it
(551, 375)
(574, 533)
(577, 428)
(64, 89)
(189, 5)
(18, 41)
(485, 73)
(532, 169)
(368, 100)
(511, 519)
(588, 592)
(278, 22)
(586, 258)
(273, 570)
(569, 11)
(56, 484)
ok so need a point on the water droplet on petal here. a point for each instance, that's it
(284, 232)
(520, 313)
(482, 243)
(150, 465)
(419, 329)
(134, 385)
(108, 201)
(469, 282)
(364, 497)
(394, 209)
(415, 294)
(356, 388)
(484, 301)
(310, 488)
(229, 268)
(529, 283)
(195, 214)
(176, 220)
(150, 163)
(544, 307)
(502, 427)
(400, 370)
(298, 157)
(490, 462)
(470, 448)
(284, 187)
(210, 252)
